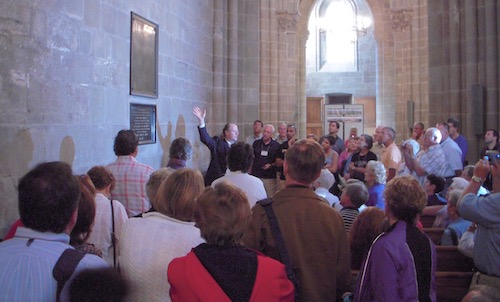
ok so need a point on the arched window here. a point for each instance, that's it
(337, 26)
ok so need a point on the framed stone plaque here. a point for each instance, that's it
(143, 57)
(143, 122)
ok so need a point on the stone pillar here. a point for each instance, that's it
(301, 107)
(455, 76)
(491, 47)
(469, 67)
(232, 71)
(218, 110)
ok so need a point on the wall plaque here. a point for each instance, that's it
(143, 122)
(143, 57)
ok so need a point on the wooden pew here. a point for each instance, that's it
(435, 234)
(449, 259)
(453, 275)
(428, 215)
(452, 286)
(427, 220)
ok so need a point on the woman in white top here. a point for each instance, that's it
(148, 244)
(101, 235)
(331, 156)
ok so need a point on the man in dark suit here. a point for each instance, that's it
(218, 146)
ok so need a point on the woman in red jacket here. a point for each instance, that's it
(222, 269)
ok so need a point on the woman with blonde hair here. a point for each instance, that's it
(223, 269)
(148, 244)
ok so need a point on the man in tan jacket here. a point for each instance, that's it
(313, 232)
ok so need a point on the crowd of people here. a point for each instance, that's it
(274, 218)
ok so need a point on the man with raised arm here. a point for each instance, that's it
(218, 146)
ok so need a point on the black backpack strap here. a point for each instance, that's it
(454, 237)
(65, 267)
(280, 242)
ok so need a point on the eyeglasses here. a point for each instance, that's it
(234, 131)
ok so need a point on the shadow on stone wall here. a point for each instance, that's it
(17, 155)
(67, 151)
(166, 141)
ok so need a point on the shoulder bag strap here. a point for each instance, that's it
(65, 267)
(113, 238)
(280, 242)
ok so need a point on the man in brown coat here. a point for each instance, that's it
(313, 232)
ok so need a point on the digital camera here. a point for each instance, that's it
(492, 156)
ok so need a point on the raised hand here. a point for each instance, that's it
(200, 114)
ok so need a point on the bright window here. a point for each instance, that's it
(336, 36)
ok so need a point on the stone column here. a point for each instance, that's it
(491, 80)
(469, 66)
(232, 70)
(218, 110)
(455, 76)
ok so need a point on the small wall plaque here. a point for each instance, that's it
(143, 122)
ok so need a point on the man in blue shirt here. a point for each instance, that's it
(458, 138)
(48, 205)
(485, 212)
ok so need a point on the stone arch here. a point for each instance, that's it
(305, 9)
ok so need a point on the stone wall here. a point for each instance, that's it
(464, 51)
(64, 80)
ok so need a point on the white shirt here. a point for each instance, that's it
(252, 138)
(147, 245)
(249, 184)
(102, 228)
(322, 192)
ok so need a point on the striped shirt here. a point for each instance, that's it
(349, 214)
(26, 269)
(131, 178)
(433, 161)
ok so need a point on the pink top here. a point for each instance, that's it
(131, 178)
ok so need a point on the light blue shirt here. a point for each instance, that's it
(459, 226)
(485, 211)
(26, 269)
(453, 155)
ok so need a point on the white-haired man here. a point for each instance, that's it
(430, 160)
(264, 164)
(323, 184)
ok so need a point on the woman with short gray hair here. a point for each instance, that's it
(375, 177)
